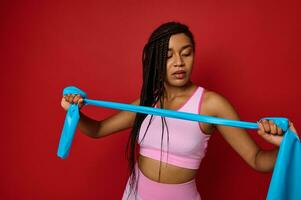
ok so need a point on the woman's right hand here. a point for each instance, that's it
(71, 99)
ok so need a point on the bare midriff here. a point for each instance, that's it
(170, 174)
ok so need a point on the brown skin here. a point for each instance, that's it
(181, 57)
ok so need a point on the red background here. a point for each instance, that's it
(247, 51)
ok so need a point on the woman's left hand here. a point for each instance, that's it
(269, 131)
(272, 133)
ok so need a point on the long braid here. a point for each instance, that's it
(154, 60)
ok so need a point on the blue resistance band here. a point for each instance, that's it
(73, 116)
(281, 176)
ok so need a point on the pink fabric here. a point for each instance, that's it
(187, 142)
(152, 190)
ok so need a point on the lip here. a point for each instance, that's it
(179, 72)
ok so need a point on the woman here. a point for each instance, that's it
(171, 149)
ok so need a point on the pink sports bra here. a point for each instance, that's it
(187, 142)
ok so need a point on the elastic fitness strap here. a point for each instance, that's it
(286, 174)
(73, 116)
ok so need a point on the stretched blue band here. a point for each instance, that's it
(72, 118)
(285, 182)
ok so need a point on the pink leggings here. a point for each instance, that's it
(152, 190)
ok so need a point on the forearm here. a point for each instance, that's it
(265, 160)
(88, 125)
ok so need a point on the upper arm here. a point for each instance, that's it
(238, 138)
(117, 122)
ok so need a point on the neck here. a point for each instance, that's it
(173, 91)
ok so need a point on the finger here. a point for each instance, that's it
(279, 131)
(68, 97)
(273, 127)
(260, 130)
(76, 98)
(71, 98)
(291, 126)
(81, 102)
(266, 126)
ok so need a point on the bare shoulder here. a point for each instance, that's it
(213, 97)
(217, 105)
(211, 102)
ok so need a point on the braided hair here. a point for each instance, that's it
(154, 74)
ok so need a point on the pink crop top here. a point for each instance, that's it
(187, 142)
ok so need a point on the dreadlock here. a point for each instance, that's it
(154, 59)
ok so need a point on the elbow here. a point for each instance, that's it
(96, 134)
(259, 164)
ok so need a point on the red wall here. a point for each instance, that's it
(246, 50)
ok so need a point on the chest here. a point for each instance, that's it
(177, 135)
(203, 110)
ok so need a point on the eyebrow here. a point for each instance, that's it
(184, 47)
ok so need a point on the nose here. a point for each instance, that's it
(178, 62)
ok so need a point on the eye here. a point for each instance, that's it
(186, 54)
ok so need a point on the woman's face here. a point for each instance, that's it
(180, 59)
